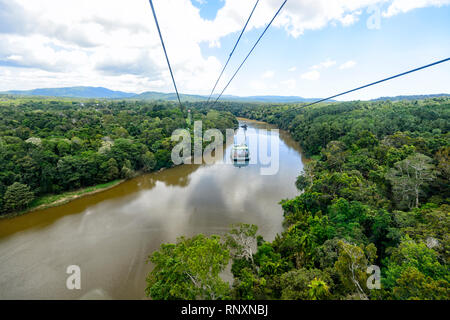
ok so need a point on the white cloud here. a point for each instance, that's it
(347, 65)
(289, 84)
(293, 69)
(402, 6)
(114, 43)
(268, 74)
(258, 85)
(350, 19)
(314, 74)
(311, 75)
(324, 65)
(301, 15)
(215, 44)
(104, 39)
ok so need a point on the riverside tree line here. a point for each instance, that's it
(49, 146)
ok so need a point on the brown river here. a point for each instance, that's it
(109, 235)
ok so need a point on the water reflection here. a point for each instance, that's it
(241, 164)
(110, 234)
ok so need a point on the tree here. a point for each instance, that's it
(17, 197)
(152, 136)
(110, 170)
(302, 182)
(305, 284)
(318, 289)
(189, 269)
(352, 266)
(443, 158)
(335, 154)
(242, 241)
(69, 172)
(409, 177)
(414, 272)
(367, 140)
(163, 158)
(148, 161)
(248, 286)
(414, 285)
(63, 148)
(30, 171)
(127, 172)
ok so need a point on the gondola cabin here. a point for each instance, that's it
(240, 153)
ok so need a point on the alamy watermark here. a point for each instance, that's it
(374, 20)
(374, 280)
(73, 282)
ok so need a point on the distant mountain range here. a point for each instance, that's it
(413, 97)
(104, 93)
(151, 95)
(193, 98)
(74, 92)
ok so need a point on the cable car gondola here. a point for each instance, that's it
(240, 152)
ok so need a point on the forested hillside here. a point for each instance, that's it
(376, 192)
(48, 146)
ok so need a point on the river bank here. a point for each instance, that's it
(55, 200)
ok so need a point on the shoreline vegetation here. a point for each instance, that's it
(53, 151)
(56, 200)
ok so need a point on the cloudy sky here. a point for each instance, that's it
(314, 49)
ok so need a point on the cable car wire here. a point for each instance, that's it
(231, 54)
(165, 52)
(377, 82)
(254, 46)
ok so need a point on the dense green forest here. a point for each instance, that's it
(376, 192)
(49, 146)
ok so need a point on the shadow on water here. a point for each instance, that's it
(241, 164)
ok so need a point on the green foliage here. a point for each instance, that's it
(17, 197)
(302, 182)
(189, 269)
(409, 177)
(109, 170)
(248, 285)
(351, 266)
(148, 161)
(305, 284)
(318, 289)
(414, 272)
(414, 285)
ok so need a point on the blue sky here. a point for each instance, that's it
(208, 9)
(314, 49)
